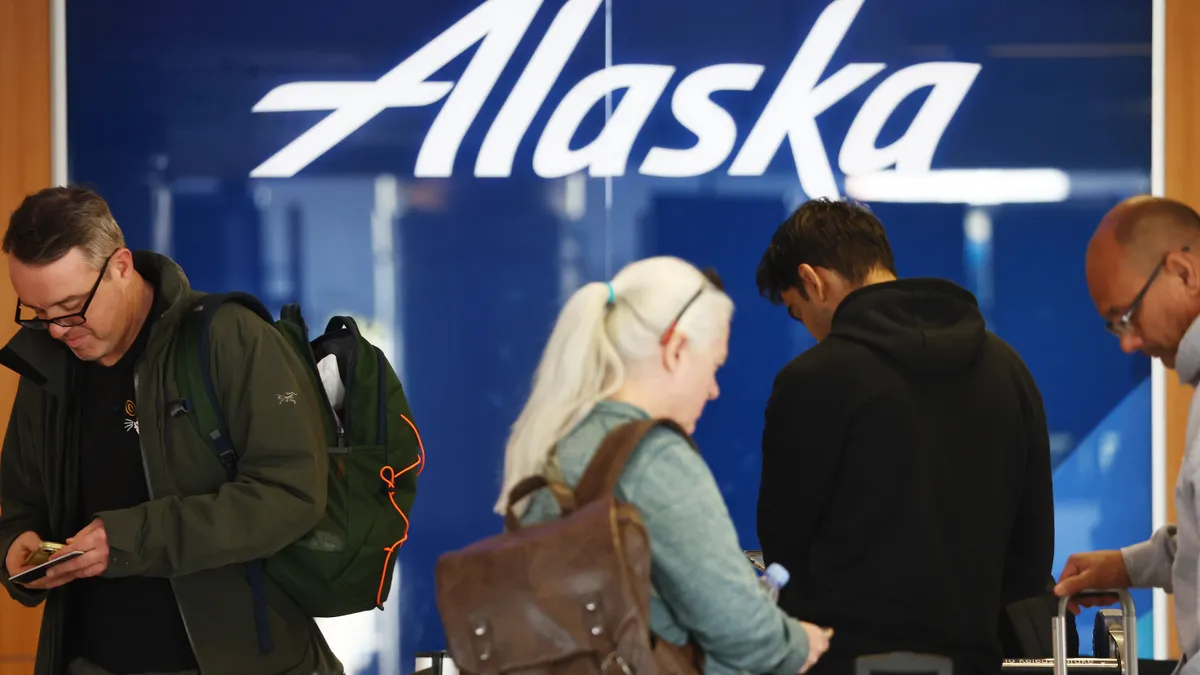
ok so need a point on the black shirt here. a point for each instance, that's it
(130, 624)
(906, 479)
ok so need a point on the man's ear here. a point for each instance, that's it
(121, 263)
(811, 281)
(1183, 265)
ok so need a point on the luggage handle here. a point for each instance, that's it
(1129, 660)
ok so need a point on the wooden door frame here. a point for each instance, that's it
(31, 92)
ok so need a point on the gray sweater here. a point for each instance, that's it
(1170, 559)
(703, 585)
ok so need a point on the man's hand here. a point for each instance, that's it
(93, 541)
(1098, 570)
(19, 552)
(818, 643)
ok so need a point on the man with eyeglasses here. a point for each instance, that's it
(1144, 277)
(94, 459)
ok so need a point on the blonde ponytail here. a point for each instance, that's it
(579, 368)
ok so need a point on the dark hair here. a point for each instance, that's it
(55, 220)
(842, 236)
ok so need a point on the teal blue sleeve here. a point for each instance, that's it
(699, 568)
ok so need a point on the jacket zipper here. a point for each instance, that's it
(150, 491)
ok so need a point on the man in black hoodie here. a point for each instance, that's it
(906, 463)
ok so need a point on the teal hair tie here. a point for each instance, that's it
(612, 295)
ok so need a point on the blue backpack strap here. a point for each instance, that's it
(213, 424)
(208, 308)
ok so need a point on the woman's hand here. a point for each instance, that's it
(818, 643)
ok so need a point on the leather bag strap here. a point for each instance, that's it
(604, 471)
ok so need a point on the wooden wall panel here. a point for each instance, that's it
(25, 153)
(1182, 168)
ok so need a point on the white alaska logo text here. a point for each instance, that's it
(499, 25)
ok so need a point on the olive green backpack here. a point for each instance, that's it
(344, 565)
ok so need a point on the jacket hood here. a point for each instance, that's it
(35, 355)
(929, 326)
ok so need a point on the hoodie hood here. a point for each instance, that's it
(929, 326)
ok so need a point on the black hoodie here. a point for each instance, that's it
(906, 478)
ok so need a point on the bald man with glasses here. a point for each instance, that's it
(1144, 277)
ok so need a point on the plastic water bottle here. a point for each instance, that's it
(775, 578)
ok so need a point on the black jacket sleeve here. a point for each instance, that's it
(800, 452)
(22, 502)
(1030, 553)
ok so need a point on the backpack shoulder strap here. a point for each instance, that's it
(193, 370)
(604, 471)
(291, 314)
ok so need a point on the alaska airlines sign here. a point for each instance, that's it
(499, 25)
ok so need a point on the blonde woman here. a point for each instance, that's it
(646, 345)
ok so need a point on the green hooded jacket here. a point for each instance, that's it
(197, 529)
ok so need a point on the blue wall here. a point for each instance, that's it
(462, 274)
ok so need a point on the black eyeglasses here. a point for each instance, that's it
(66, 320)
(1123, 324)
(711, 278)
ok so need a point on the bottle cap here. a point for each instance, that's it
(777, 575)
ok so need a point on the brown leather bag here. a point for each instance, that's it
(570, 596)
